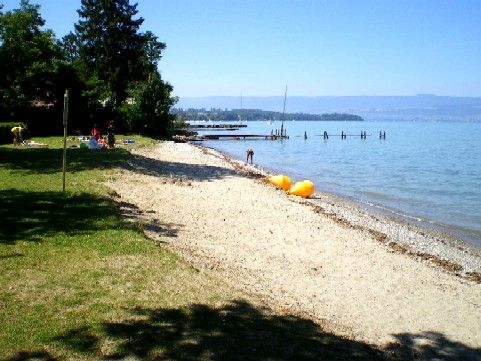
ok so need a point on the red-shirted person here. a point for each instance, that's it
(96, 132)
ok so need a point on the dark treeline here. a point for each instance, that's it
(256, 114)
(108, 64)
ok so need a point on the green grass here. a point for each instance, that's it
(79, 282)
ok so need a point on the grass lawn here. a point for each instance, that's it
(79, 282)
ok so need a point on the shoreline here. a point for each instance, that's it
(418, 240)
(426, 191)
(297, 255)
(449, 233)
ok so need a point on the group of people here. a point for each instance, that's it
(97, 141)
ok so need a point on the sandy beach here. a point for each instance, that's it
(360, 275)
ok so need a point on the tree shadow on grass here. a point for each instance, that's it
(48, 161)
(30, 216)
(33, 356)
(238, 331)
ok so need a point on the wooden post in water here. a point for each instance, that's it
(65, 120)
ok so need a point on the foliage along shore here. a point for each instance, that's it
(108, 64)
(257, 114)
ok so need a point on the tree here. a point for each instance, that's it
(110, 45)
(147, 110)
(29, 60)
(117, 63)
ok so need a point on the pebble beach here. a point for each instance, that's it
(359, 274)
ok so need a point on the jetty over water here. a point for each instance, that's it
(216, 126)
(240, 136)
(274, 135)
(277, 135)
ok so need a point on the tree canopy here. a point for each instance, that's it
(29, 60)
(107, 62)
(110, 45)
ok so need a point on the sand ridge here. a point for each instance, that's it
(275, 247)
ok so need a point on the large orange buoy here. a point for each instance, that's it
(302, 189)
(280, 181)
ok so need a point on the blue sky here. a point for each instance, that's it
(256, 47)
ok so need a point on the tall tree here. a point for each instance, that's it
(110, 44)
(28, 59)
(116, 60)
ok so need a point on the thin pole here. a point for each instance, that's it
(241, 110)
(283, 113)
(65, 119)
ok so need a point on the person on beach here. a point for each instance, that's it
(250, 155)
(96, 132)
(17, 135)
(92, 144)
(111, 135)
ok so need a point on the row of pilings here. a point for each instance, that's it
(364, 135)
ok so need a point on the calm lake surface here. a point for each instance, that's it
(427, 172)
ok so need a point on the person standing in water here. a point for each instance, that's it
(250, 155)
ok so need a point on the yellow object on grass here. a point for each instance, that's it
(302, 189)
(280, 181)
(16, 130)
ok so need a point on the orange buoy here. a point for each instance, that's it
(302, 189)
(280, 181)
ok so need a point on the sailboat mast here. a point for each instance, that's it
(241, 109)
(240, 113)
(283, 112)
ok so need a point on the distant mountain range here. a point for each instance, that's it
(419, 107)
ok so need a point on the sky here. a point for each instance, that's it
(315, 47)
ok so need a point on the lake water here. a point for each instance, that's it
(423, 171)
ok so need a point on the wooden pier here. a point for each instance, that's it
(239, 137)
(275, 135)
(216, 126)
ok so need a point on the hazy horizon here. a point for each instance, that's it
(428, 107)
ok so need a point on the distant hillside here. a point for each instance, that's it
(235, 115)
(369, 107)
